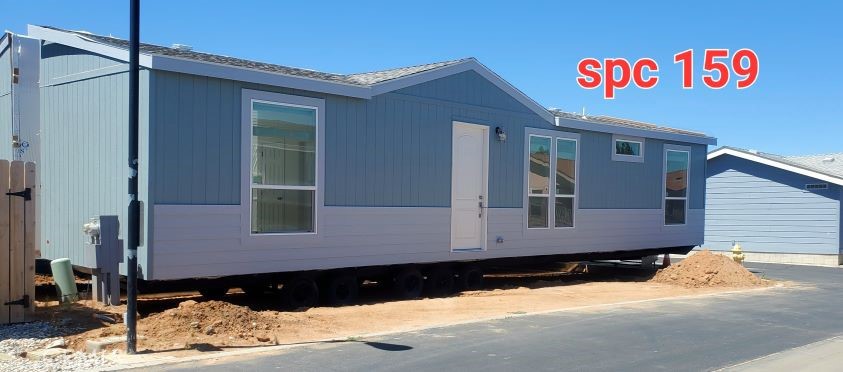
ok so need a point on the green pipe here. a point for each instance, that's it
(65, 282)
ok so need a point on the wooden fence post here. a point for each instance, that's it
(30, 239)
(16, 236)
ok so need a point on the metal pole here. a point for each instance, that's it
(133, 227)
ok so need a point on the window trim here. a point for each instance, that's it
(628, 158)
(686, 198)
(554, 135)
(249, 97)
(253, 185)
(550, 184)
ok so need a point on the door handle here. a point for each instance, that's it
(480, 204)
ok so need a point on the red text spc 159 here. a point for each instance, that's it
(617, 73)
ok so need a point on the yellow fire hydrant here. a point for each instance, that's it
(737, 253)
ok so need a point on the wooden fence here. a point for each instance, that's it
(17, 241)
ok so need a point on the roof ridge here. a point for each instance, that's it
(450, 61)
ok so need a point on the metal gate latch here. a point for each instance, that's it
(26, 194)
(22, 302)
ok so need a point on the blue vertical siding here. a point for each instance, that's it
(468, 88)
(608, 184)
(768, 209)
(195, 138)
(83, 149)
(390, 151)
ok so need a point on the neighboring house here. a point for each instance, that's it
(778, 208)
(249, 167)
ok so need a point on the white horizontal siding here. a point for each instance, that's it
(205, 240)
(597, 230)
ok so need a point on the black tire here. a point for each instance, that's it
(440, 282)
(255, 290)
(408, 283)
(213, 292)
(300, 293)
(340, 289)
(470, 278)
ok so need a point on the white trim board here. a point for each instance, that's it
(776, 164)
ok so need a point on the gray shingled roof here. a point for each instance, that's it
(361, 79)
(831, 164)
(624, 123)
(828, 164)
(371, 78)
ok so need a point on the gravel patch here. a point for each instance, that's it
(18, 340)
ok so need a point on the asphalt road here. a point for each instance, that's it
(674, 335)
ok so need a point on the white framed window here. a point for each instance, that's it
(676, 171)
(566, 182)
(538, 182)
(552, 171)
(283, 167)
(629, 149)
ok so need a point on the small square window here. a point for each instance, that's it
(629, 149)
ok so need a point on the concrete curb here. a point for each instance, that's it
(144, 361)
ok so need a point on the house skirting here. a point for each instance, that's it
(788, 258)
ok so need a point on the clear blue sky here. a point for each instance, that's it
(795, 107)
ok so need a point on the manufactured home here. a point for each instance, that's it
(249, 167)
(782, 209)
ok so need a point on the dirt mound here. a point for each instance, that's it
(209, 318)
(706, 269)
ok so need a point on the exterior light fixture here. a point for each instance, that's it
(501, 134)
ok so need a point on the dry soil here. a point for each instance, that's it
(706, 269)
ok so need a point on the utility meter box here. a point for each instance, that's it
(104, 250)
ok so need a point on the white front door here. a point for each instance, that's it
(469, 175)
